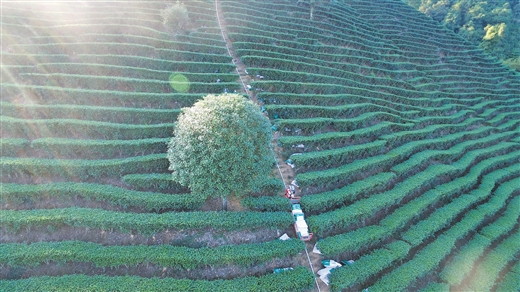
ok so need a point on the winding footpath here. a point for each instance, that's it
(286, 172)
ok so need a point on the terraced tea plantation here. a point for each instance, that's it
(405, 141)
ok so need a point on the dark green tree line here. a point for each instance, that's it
(494, 25)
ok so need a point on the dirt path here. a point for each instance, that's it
(285, 170)
(241, 69)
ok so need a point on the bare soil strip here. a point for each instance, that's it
(188, 238)
(143, 270)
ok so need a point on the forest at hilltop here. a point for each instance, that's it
(494, 25)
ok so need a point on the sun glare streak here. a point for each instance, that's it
(1, 94)
(49, 14)
(1, 82)
(7, 75)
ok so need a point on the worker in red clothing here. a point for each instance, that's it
(288, 193)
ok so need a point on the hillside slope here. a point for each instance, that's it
(405, 141)
(397, 128)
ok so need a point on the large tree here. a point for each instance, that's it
(220, 147)
(175, 18)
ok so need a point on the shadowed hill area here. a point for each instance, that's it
(404, 138)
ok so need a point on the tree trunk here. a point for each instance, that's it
(224, 203)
